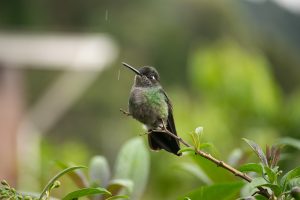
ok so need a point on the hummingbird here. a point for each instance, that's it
(150, 105)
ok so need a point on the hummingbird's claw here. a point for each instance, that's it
(125, 112)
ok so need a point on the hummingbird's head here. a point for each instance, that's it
(145, 76)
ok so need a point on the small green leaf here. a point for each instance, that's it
(224, 191)
(271, 174)
(256, 182)
(251, 167)
(99, 171)
(85, 192)
(77, 176)
(57, 176)
(116, 185)
(290, 175)
(275, 188)
(118, 197)
(186, 149)
(256, 148)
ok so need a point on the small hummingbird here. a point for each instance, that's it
(150, 105)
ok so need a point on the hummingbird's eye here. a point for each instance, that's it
(153, 77)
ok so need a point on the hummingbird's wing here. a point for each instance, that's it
(158, 140)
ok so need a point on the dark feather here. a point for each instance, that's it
(159, 140)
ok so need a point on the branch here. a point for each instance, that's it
(262, 191)
(220, 163)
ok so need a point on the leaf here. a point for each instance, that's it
(99, 171)
(117, 184)
(186, 149)
(85, 192)
(57, 176)
(294, 173)
(224, 191)
(133, 163)
(118, 197)
(196, 171)
(256, 182)
(271, 174)
(256, 148)
(290, 142)
(77, 176)
(251, 167)
(275, 188)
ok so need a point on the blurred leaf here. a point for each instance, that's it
(116, 185)
(294, 173)
(118, 197)
(77, 176)
(85, 192)
(294, 182)
(196, 171)
(133, 163)
(290, 142)
(99, 171)
(256, 148)
(260, 197)
(224, 191)
(251, 167)
(57, 176)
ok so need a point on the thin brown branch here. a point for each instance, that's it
(262, 191)
(220, 163)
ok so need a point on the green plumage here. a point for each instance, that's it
(149, 104)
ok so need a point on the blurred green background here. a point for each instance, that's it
(229, 66)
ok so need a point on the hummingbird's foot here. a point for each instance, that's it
(125, 112)
(163, 126)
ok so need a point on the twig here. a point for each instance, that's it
(220, 163)
(262, 191)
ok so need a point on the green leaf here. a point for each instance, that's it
(118, 197)
(271, 174)
(116, 185)
(99, 171)
(295, 173)
(133, 163)
(251, 167)
(186, 149)
(85, 192)
(256, 182)
(275, 188)
(206, 145)
(224, 191)
(196, 171)
(77, 176)
(57, 176)
(290, 142)
(256, 148)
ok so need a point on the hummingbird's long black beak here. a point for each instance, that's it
(132, 68)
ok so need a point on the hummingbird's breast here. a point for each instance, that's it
(148, 105)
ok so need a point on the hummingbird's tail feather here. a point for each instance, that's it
(160, 140)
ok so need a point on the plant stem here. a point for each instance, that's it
(220, 163)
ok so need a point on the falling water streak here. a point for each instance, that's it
(119, 72)
(106, 15)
